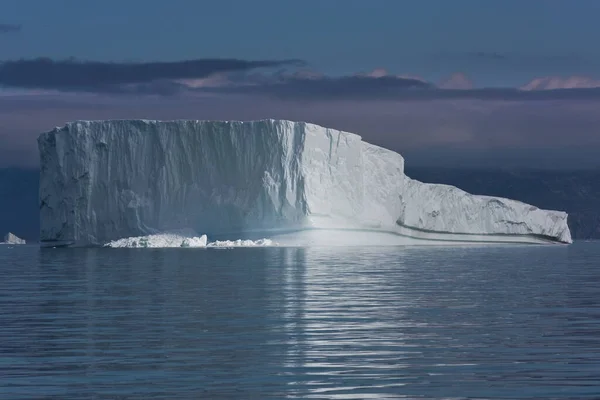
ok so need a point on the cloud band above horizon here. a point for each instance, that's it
(281, 79)
(401, 112)
(90, 76)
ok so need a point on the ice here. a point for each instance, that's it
(242, 243)
(159, 241)
(10, 238)
(166, 240)
(102, 181)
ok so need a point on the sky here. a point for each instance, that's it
(449, 83)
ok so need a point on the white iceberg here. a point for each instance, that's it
(106, 180)
(10, 238)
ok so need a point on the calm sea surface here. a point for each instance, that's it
(358, 323)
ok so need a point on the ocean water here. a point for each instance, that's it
(495, 322)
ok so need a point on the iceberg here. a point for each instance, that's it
(10, 238)
(102, 181)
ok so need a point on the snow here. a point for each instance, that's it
(102, 181)
(9, 238)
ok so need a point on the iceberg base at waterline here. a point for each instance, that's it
(308, 238)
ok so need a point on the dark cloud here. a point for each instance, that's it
(170, 78)
(9, 28)
(231, 76)
(92, 76)
(390, 88)
(487, 55)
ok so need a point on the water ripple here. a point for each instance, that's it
(475, 322)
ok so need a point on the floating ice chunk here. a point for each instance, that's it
(166, 240)
(163, 240)
(242, 243)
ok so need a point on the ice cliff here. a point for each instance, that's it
(106, 180)
(9, 238)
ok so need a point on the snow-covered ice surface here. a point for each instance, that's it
(12, 239)
(295, 183)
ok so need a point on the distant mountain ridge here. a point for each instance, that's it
(576, 192)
